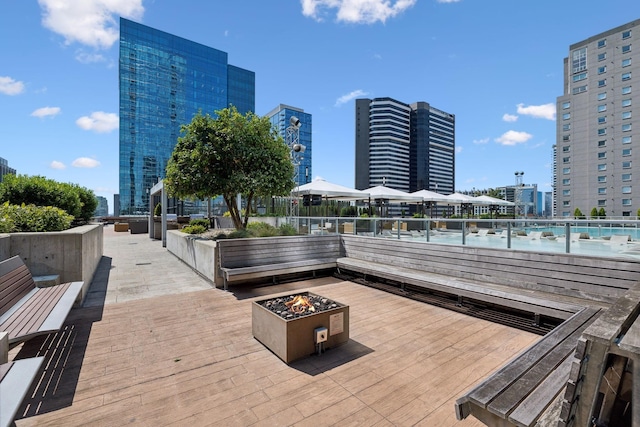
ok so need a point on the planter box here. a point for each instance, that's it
(294, 339)
(121, 226)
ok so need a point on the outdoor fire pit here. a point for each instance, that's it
(296, 326)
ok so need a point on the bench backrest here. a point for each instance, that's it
(235, 253)
(600, 279)
(15, 282)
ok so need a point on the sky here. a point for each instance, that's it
(495, 64)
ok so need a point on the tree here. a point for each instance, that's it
(578, 214)
(602, 213)
(594, 213)
(229, 155)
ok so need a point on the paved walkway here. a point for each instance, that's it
(166, 348)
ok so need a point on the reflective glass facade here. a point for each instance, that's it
(164, 81)
(280, 117)
(5, 169)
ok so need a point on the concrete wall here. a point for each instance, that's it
(73, 254)
(5, 245)
(198, 254)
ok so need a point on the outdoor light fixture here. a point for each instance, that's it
(299, 148)
(295, 122)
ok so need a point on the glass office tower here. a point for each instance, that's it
(280, 117)
(165, 80)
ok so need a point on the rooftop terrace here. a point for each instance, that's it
(155, 344)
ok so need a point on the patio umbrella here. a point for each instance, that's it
(328, 190)
(390, 195)
(494, 203)
(431, 198)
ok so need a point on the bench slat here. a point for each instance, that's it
(15, 385)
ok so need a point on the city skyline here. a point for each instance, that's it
(498, 68)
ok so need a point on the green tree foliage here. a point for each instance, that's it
(602, 213)
(578, 214)
(594, 213)
(229, 155)
(88, 202)
(22, 218)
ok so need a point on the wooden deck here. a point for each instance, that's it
(190, 359)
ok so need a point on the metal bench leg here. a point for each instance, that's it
(536, 319)
(459, 303)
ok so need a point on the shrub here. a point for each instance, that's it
(24, 218)
(239, 234)
(349, 211)
(40, 191)
(200, 221)
(157, 211)
(288, 230)
(262, 229)
(193, 229)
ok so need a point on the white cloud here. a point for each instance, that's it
(509, 117)
(89, 58)
(545, 111)
(351, 95)
(57, 165)
(356, 11)
(89, 22)
(448, 1)
(481, 141)
(99, 121)
(513, 137)
(377, 56)
(458, 149)
(226, 33)
(9, 86)
(85, 162)
(46, 112)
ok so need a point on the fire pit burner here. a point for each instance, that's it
(288, 325)
(294, 306)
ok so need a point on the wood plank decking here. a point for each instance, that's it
(190, 359)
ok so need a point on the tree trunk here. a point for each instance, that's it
(233, 211)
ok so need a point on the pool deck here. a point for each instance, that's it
(155, 344)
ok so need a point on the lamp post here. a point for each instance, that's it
(292, 140)
(517, 194)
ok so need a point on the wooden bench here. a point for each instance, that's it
(520, 392)
(27, 311)
(250, 259)
(15, 380)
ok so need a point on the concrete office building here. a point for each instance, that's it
(598, 141)
(280, 119)
(408, 147)
(165, 80)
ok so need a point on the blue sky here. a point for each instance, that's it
(495, 64)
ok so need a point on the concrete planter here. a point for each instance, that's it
(199, 254)
(294, 339)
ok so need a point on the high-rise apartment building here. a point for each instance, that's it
(5, 169)
(408, 147)
(280, 118)
(164, 81)
(597, 139)
(103, 207)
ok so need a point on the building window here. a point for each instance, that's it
(566, 181)
(579, 89)
(626, 127)
(602, 56)
(626, 48)
(566, 116)
(602, 190)
(602, 43)
(601, 70)
(566, 159)
(581, 76)
(602, 119)
(566, 171)
(626, 102)
(626, 90)
(566, 105)
(566, 148)
(602, 83)
(566, 192)
(602, 178)
(626, 202)
(626, 165)
(626, 115)
(626, 34)
(626, 152)
(626, 62)
(626, 177)
(602, 108)
(566, 127)
(602, 155)
(626, 189)
(602, 202)
(602, 96)
(602, 131)
(566, 203)
(566, 138)
(579, 60)
(626, 76)
(626, 140)
(602, 143)
(602, 167)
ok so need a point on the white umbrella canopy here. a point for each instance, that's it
(459, 199)
(328, 190)
(391, 194)
(488, 200)
(430, 196)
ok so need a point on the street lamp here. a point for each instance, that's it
(293, 142)
(517, 194)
